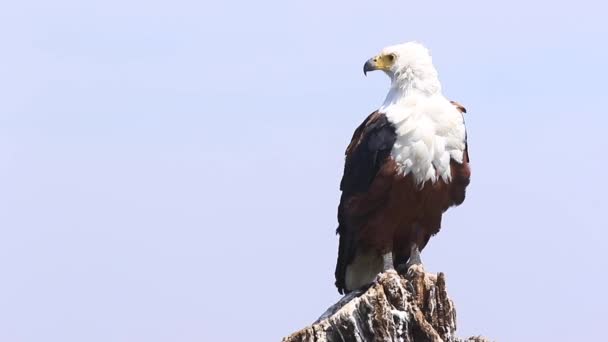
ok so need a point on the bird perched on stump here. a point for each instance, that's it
(406, 164)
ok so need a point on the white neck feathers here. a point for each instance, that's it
(422, 82)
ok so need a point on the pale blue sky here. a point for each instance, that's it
(169, 170)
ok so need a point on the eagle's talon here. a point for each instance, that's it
(391, 271)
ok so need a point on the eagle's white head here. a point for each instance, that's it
(410, 67)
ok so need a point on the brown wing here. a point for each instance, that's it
(367, 152)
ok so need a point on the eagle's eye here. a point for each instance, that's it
(391, 58)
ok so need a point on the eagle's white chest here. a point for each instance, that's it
(430, 132)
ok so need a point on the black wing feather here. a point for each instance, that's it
(375, 143)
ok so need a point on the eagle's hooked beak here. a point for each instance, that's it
(370, 65)
(381, 62)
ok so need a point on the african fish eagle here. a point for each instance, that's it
(406, 164)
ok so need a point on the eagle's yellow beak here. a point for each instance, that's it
(380, 62)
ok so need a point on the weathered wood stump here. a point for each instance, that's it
(409, 308)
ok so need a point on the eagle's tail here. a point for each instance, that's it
(343, 251)
(355, 268)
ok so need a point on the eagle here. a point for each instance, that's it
(406, 164)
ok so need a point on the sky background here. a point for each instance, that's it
(169, 170)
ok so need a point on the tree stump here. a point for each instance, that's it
(410, 308)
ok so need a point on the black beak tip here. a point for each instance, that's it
(368, 66)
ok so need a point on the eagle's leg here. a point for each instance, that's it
(387, 266)
(414, 256)
(387, 261)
